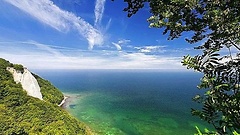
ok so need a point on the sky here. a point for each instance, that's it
(84, 34)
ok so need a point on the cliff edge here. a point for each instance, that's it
(21, 114)
(28, 82)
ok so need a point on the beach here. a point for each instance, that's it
(68, 98)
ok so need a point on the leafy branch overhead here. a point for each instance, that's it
(215, 24)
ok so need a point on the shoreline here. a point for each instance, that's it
(63, 101)
(68, 98)
(66, 102)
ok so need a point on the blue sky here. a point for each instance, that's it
(83, 34)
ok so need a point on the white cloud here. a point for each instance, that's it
(143, 61)
(99, 10)
(40, 56)
(124, 41)
(149, 49)
(44, 47)
(120, 43)
(48, 13)
(117, 46)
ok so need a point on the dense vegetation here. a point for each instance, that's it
(50, 93)
(18, 67)
(21, 114)
(215, 24)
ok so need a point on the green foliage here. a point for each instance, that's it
(221, 101)
(21, 114)
(216, 23)
(207, 132)
(18, 67)
(235, 133)
(50, 93)
(4, 64)
(134, 6)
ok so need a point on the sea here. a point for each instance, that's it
(131, 102)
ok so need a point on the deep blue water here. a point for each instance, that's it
(131, 102)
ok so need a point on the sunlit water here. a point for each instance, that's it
(131, 102)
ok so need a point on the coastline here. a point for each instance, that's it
(63, 101)
(68, 98)
(66, 102)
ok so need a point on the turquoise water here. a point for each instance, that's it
(131, 102)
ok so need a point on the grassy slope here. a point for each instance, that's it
(23, 114)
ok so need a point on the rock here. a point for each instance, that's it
(28, 81)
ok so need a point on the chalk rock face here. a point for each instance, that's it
(28, 81)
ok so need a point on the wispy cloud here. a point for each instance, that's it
(48, 13)
(108, 24)
(143, 61)
(149, 49)
(35, 55)
(44, 47)
(120, 43)
(117, 46)
(124, 41)
(99, 10)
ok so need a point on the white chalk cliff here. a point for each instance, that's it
(28, 81)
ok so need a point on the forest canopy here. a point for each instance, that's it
(21, 114)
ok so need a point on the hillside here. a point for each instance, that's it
(24, 114)
(50, 93)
